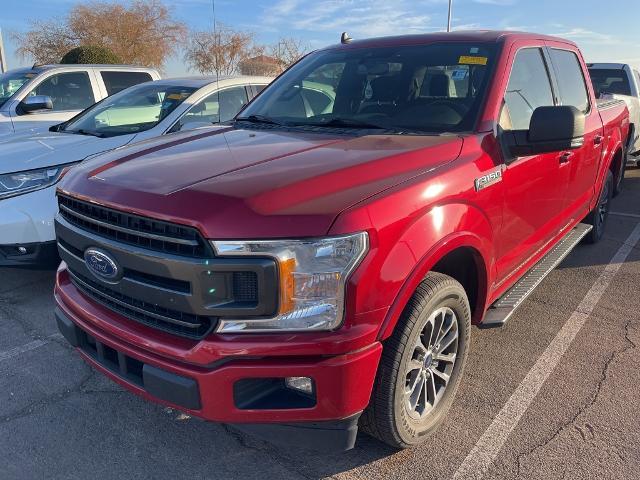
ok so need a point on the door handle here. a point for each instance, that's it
(597, 140)
(565, 157)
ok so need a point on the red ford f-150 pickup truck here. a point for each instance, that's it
(317, 264)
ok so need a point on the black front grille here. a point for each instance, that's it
(135, 230)
(173, 321)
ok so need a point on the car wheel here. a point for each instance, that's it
(421, 364)
(620, 177)
(599, 215)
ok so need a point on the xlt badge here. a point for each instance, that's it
(488, 180)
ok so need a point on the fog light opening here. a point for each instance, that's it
(300, 384)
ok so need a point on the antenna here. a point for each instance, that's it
(345, 38)
(449, 17)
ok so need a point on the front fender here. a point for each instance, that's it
(422, 246)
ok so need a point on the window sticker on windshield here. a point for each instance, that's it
(177, 96)
(474, 50)
(459, 74)
(468, 60)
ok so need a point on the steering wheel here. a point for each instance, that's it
(456, 107)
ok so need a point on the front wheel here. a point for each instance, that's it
(599, 215)
(421, 364)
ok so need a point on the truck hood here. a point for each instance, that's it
(45, 149)
(254, 183)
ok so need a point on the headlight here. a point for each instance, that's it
(313, 275)
(18, 183)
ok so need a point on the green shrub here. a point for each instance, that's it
(90, 54)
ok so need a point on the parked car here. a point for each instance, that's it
(35, 98)
(620, 80)
(31, 165)
(304, 271)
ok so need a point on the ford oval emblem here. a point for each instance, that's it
(101, 264)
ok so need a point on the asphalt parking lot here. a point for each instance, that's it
(581, 419)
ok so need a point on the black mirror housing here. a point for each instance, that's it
(552, 129)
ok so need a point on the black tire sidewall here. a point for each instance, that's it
(410, 431)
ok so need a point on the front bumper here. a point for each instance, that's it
(27, 221)
(342, 382)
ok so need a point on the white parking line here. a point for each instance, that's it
(621, 214)
(490, 443)
(14, 352)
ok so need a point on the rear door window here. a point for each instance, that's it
(571, 82)
(118, 81)
(529, 88)
(68, 91)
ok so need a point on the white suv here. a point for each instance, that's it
(33, 99)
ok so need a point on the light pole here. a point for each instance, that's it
(449, 17)
(3, 61)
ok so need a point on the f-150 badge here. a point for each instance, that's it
(487, 180)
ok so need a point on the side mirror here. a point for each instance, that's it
(35, 103)
(552, 129)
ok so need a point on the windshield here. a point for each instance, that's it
(133, 110)
(610, 81)
(426, 88)
(11, 82)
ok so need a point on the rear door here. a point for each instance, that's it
(70, 92)
(583, 162)
(534, 186)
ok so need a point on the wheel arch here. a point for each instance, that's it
(445, 257)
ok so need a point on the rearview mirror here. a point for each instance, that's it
(552, 129)
(35, 103)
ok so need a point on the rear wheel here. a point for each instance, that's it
(619, 177)
(421, 364)
(599, 215)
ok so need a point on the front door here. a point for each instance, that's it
(535, 186)
(70, 93)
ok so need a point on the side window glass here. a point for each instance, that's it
(231, 102)
(68, 91)
(571, 83)
(118, 81)
(529, 88)
(217, 107)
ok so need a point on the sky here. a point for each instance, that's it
(605, 30)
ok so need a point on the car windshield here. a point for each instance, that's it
(431, 88)
(11, 82)
(133, 110)
(610, 81)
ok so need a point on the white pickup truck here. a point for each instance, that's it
(621, 81)
(35, 98)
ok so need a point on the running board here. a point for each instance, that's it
(503, 308)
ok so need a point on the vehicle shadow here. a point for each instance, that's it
(619, 225)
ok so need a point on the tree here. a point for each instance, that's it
(288, 50)
(90, 54)
(219, 52)
(143, 33)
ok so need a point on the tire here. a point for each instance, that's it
(620, 176)
(390, 416)
(599, 215)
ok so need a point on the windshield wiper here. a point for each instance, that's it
(345, 123)
(259, 119)
(81, 131)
